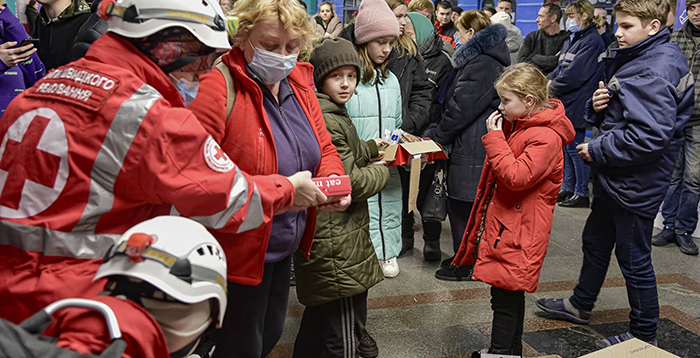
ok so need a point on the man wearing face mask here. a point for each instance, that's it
(275, 127)
(186, 79)
(105, 142)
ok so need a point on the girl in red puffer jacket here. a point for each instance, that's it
(508, 232)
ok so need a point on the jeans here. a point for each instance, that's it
(680, 208)
(576, 172)
(609, 226)
(508, 317)
(255, 315)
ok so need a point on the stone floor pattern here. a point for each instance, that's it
(417, 316)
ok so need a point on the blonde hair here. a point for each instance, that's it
(473, 19)
(645, 10)
(368, 66)
(525, 80)
(405, 43)
(579, 8)
(421, 5)
(289, 12)
(599, 21)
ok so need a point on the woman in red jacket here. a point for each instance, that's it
(276, 126)
(508, 232)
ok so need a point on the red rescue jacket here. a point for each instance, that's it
(247, 138)
(515, 200)
(85, 331)
(94, 148)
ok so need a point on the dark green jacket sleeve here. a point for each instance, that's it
(366, 181)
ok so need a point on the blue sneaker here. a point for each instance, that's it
(665, 237)
(685, 241)
(612, 340)
(562, 309)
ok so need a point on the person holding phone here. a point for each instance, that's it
(20, 66)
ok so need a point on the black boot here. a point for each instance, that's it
(407, 234)
(455, 273)
(431, 250)
(447, 262)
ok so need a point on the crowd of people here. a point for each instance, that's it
(160, 159)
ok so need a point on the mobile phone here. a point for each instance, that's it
(28, 41)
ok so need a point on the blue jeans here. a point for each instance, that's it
(680, 208)
(576, 172)
(612, 226)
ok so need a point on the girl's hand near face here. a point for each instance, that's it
(494, 122)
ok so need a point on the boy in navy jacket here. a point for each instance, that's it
(641, 113)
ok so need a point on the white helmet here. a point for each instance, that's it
(175, 255)
(141, 18)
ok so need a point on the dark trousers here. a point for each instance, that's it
(431, 229)
(333, 329)
(508, 316)
(612, 226)
(255, 314)
(458, 212)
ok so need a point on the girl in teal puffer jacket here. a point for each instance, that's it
(376, 107)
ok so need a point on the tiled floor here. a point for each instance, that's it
(418, 316)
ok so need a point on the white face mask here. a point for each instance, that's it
(181, 323)
(271, 67)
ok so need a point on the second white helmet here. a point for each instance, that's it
(175, 255)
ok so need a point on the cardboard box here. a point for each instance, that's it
(414, 154)
(634, 348)
(335, 188)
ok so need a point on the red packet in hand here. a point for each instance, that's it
(335, 188)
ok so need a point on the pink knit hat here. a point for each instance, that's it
(375, 20)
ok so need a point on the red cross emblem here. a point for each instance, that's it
(33, 158)
(215, 157)
(24, 161)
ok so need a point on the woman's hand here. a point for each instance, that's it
(494, 122)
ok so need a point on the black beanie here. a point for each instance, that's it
(331, 54)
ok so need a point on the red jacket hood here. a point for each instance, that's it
(553, 117)
(117, 51)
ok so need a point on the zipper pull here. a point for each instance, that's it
(260, 133)
(496, 243)
(500, 232)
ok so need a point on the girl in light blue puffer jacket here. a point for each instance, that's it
(374, 108)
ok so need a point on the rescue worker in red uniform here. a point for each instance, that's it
(105, 142)
(161, 310)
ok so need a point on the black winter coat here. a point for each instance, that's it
(437, 65)
(416, 94)
(470, 100)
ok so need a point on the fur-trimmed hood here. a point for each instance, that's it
(489, 41)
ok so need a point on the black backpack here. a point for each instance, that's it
(25, 341)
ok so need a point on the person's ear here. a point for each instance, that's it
(529, 101)
(654, 27)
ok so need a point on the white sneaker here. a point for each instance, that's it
(390, 267)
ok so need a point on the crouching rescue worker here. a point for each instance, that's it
(163, 275)
(105, 142)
